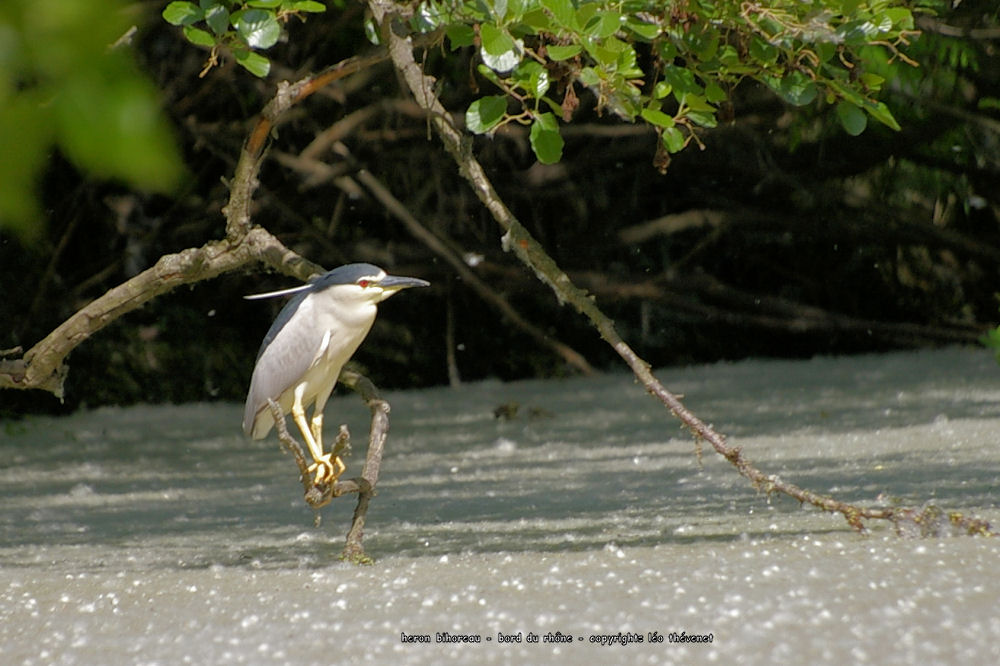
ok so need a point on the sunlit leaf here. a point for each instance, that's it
(681, 80)
(499, 50)
(672, 139)
(253, 62)
(556, 52)
(309, 6)
(259, 28)
(198, 36)
(563, 12)
(657, 117)
(532, 78)
(603, 24)
(217, 18)
(182, 13)
(485, 113)
(703, 118)
(647, 31)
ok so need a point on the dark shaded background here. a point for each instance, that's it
(817, 242)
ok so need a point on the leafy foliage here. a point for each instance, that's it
(673, 65)
(62, 84)
(244, 27)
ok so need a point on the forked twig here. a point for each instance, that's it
(318, 495)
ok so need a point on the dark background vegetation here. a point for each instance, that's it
(789, 238)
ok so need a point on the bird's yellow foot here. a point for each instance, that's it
(327, 469)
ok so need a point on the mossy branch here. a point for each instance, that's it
(43, 366)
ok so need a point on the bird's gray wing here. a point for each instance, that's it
(288, 350)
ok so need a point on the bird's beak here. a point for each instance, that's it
(394, 283)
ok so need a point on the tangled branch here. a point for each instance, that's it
(318, 495)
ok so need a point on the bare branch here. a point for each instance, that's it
(42, 366)
(517, 239)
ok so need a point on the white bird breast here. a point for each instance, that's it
(344, 329)
(309, 351)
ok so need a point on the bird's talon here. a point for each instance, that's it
(327, 470)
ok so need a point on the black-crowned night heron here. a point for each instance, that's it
(307, 345)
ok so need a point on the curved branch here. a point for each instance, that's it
(518, 240)
(42, 366)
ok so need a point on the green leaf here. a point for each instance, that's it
(371, 31)
(795, 88)
(646, 31)
(532, 78)
(460, 35)
(657, 117)
(499, 51)
(260, 29)
(538, 21)
(198, 36)
(762, 51)
(111, 125)
(253, 62)
(563, 12)
(485, 113)
(703, 118)
(265, 4)
(856, 33)
(703, 43)
(182, 13)
(308, 6)
(672, 139)
(872, 81)
(556, 52)
(25, 151)
(217, 18)
(714, 93)
(901, 17)
(500, 9)
(603, 24)
(986, 103)
(682, 81)
(545, 139)
(880, 112)
(851, 118)
(698, 103)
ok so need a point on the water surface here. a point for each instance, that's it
(160, 535)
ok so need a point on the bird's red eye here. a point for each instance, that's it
(363, 283)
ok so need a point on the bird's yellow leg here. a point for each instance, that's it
(316, 426)
(337, 465)
(326, 470)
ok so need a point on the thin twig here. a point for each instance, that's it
(419, 231)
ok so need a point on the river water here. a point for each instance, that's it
(160, 535)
